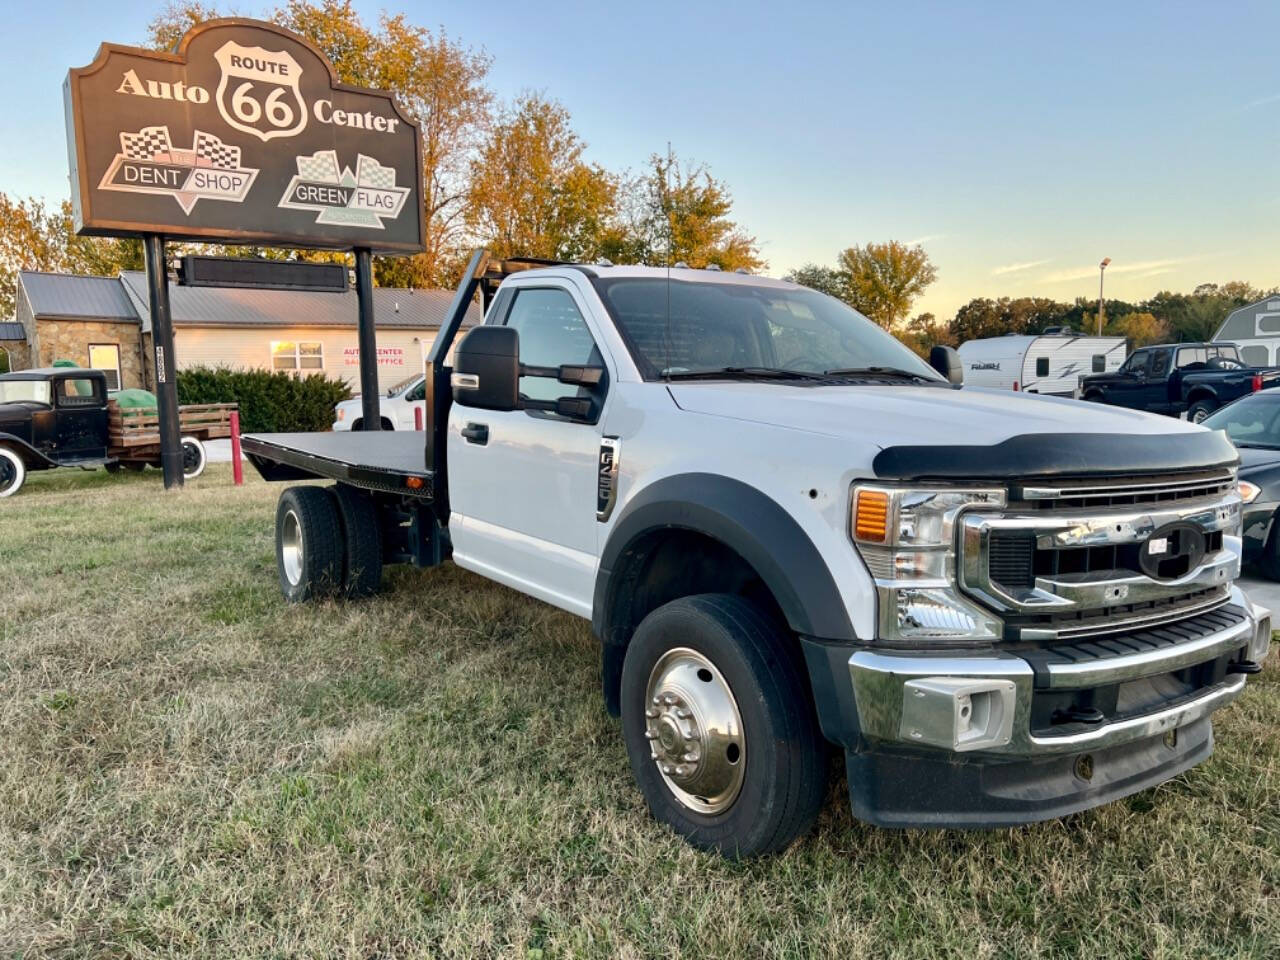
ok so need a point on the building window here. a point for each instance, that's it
(1099, 363)
(1042, 366)
(297, 356)
(106, 357)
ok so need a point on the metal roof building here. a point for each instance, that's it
(105, 322)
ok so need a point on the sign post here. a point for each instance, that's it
(162, 343)
(370, 408)
(241, 135)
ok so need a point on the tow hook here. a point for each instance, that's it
(1075, 714)
(1244, 666)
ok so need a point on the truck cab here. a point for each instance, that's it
(789, 534)
(49, 418)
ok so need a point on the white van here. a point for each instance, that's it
(1050, 363)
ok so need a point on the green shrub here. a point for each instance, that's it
(270, 401)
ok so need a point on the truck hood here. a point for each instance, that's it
(913, 415)
(13, 415)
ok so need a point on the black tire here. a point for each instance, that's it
(135, 466)
(784, 780)
(387, 424)
(13, 472)
(112, 467)
(307, 521)
(1200, 409)
(362, 560)
(1093, 397)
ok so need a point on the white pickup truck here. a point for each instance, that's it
(788, 532)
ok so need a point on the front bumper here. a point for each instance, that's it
(994, 737)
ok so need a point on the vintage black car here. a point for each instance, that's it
(1253, 424)
(61, 417)
(1191, 378)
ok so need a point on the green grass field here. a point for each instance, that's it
(190, 767)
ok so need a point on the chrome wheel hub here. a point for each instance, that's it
(694, 731)
(291, 547)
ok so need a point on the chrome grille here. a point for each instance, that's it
(1064, 559)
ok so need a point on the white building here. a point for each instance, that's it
(1255, 329)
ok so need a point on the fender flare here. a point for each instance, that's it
(747, 521)
(30, 455)
(1201, 391)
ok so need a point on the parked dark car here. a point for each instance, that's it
(1173, 379)
(1253, 424)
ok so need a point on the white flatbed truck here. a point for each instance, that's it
(790, 534)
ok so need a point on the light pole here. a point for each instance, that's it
(1102, 304)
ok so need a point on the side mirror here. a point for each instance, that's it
(486, 369)
(947, 362)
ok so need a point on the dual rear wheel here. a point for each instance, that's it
(328, 543)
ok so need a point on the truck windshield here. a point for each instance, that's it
(737, 326)
(32, 391)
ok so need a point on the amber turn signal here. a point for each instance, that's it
(871, 516)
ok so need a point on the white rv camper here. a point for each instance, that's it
(1051, 363)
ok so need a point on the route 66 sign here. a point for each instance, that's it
(258, 92)
(242, 134)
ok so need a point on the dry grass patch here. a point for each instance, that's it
(191, 767)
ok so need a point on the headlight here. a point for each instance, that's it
(907, 538)
(1249, 491)
(342, 413)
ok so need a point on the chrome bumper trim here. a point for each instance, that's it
(1129, 666)
(1147, 725)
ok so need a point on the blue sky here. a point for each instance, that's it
(1019, 142)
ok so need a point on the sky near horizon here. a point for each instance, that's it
(1018, 143)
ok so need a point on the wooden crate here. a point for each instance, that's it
(130, 428)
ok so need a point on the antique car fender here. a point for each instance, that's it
(30, 455)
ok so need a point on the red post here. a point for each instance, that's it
(237, 468)
(417, 417)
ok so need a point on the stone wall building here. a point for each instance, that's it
(89, 321)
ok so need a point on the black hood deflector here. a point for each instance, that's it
(1059, 455)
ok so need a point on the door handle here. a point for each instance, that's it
(477, 433)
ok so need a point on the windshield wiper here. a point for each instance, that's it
(878, 371)
(745, 373)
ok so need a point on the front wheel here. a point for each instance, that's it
(1200, 410)
(720, 727)
(13, 472)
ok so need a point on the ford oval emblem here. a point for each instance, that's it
(1173, 551)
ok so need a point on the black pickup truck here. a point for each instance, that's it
(1191, 378)
(64, 417)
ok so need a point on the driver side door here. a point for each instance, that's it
(523, 483)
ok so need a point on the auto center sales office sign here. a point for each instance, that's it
(241, 135)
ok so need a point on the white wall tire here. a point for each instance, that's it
(13, 472)
(194, 458)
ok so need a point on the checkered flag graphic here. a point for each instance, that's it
(209, 147)
(322, 165)
(146, 143)
(370, 173)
